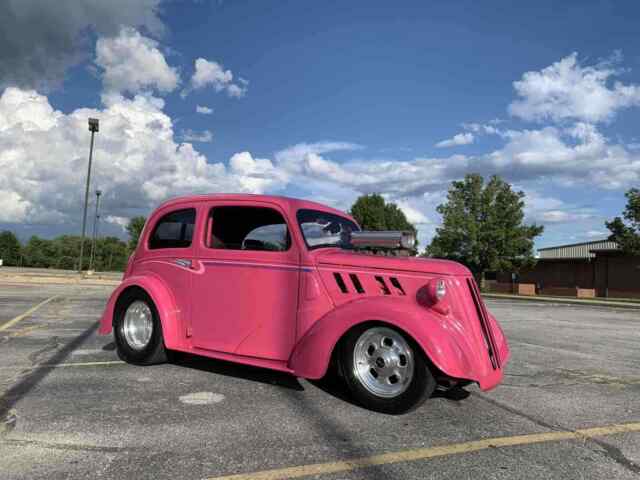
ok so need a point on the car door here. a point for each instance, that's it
(246, 293)
(168, 253)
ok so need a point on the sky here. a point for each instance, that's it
(319, 100)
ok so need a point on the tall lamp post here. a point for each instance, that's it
(93, 128)
(96, 219)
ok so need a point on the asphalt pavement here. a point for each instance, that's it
(568, 407)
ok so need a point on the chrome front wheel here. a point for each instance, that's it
(383, 362)
(385, 369)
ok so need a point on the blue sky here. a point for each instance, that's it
(325, 100)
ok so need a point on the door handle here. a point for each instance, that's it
(183, 262)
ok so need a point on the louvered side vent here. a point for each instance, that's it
(484, 323)
(356, 283)
(341, 285)
(383, 285)
(396, 284)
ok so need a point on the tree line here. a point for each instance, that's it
(482, 227)
(111, 253)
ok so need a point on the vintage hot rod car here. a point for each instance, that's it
(279, 283)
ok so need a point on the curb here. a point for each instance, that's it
(570, 301)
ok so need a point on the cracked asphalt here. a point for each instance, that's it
(70, 409)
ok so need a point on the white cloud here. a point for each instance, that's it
(567, 90)
(212, 74)
(121, 222)
(412, 212)
(459, 139)
(598, 233)
(189, 135)
(204, 110)
(255, 174)
(137, 161)
(132, 63)
(576, 155)
(543, 208)
(556, 216)
(479, 128)
(42, 39)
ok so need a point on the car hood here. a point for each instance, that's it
(347, 258)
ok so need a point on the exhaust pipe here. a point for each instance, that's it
(393, 240)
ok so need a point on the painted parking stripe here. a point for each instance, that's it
(432, 452)
(17, 319)
(65, 365)
(82, 364)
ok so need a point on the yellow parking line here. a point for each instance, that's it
(82, 364)
(431, 452)
(64, 365)
(25, 330)
(13, 321)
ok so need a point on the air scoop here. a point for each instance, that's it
(383, 239)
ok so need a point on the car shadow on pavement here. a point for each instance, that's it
(229, 369)
(335, 386)
(32, 376)
(455, 394)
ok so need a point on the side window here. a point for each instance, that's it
(174, 230)
(248, 228)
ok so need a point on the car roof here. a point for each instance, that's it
(287, 203)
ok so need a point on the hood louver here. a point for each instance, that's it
(386, 286)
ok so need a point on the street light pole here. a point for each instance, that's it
(93, 128)
(95, 230)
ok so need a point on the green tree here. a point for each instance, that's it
(66, 250)
(39, 252)
(627, 234)
(111, 254)
(134, 229)
(63, 252)
(9, 248)
(482, 227)
(373, 213)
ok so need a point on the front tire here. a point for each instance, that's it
(385, 370)
(137, 329)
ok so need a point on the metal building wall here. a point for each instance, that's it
(577, 250)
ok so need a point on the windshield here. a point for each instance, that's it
(322, 229)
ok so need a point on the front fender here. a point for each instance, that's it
(162, 298)
(444, 344)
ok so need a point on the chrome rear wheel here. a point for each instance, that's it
(137, 325)
(137, 329)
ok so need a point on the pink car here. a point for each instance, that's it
(277, 282)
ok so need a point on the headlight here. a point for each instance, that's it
(437, 290)
(433, 295)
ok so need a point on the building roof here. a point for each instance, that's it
(576, 250)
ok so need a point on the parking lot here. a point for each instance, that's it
(569, 406)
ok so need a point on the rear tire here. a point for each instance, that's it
(385, 370)
(137, 329)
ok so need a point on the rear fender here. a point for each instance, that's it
(163, 300)
(445, 347)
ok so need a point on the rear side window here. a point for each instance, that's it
(248, 228)
(174, 230)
